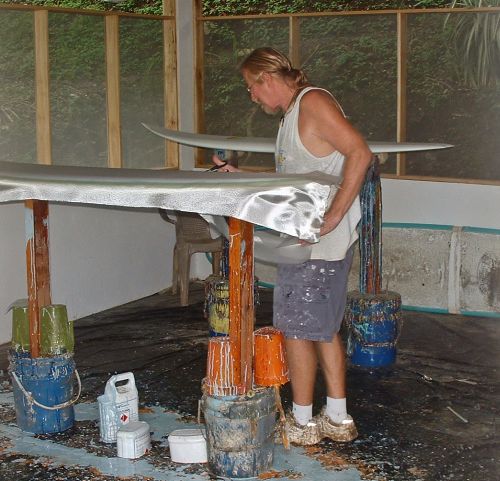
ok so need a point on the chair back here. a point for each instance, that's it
(190, 226)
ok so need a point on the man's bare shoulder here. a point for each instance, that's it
(317, 93)
(319, 102)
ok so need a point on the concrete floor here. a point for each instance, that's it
(433, 415)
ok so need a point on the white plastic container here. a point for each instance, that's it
(188, 446)
(133, 440)
(118, 406)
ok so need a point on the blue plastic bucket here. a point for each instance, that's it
(240, 433)
(374, 322)
(43, 391)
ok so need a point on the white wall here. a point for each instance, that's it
(12, 263)
(472, 205)
(100, 257)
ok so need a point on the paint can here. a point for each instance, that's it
(374, 323)
(43, 392)
(188, 446)
(222, 370)
(240, 433)
(217, 305)
(118, 406)
(133, 440)
(270, 366)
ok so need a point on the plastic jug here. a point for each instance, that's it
(117, 406)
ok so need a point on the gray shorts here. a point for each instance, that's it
(310, 298)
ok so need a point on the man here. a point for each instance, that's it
(309, 298)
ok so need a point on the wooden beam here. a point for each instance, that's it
(77, 11)
(37, 266)
(170, 82)
(402, 41)
(294, 41)
(43, 130)
(352, 13)
(241, 299)
(112, 36)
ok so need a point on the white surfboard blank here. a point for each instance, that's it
(266, 144)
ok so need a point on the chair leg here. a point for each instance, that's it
(175, 271)
(184, 271)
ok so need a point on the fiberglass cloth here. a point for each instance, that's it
(293, 204)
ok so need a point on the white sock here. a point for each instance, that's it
(302, 414)
(336, 409)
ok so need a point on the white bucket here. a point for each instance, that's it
(188, 446)
(118, 406)
(133, 440)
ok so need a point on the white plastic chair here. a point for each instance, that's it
(192, 235)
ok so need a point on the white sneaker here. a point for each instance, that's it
(299, 434)
(343, 432)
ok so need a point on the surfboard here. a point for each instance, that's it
(266, 144)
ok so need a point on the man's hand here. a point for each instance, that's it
(223, 166)
(329, 223)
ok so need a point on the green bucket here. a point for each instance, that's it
(57, 335)
(20, 329)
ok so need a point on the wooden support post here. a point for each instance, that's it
(112, 36)
(241, 299)
(294, 41)
(402, 22)
(199, 75)
(170, 81)
(42, 91)
(37, 266)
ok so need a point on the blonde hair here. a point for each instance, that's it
(272, 61)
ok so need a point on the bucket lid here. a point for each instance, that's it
(134, 426)
(189, 435)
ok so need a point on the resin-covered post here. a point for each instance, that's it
(241, 299)
(37, 266)
(370, 240)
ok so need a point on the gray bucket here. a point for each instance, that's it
(240, 433)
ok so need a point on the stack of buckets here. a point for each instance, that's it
(240, 425)
(43, 386)
(216, 306)
(373, 316)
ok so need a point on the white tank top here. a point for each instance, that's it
(292, 157)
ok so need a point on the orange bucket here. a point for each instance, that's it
(270, 367)
(221, 369)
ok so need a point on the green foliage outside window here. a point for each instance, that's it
(240, 7)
